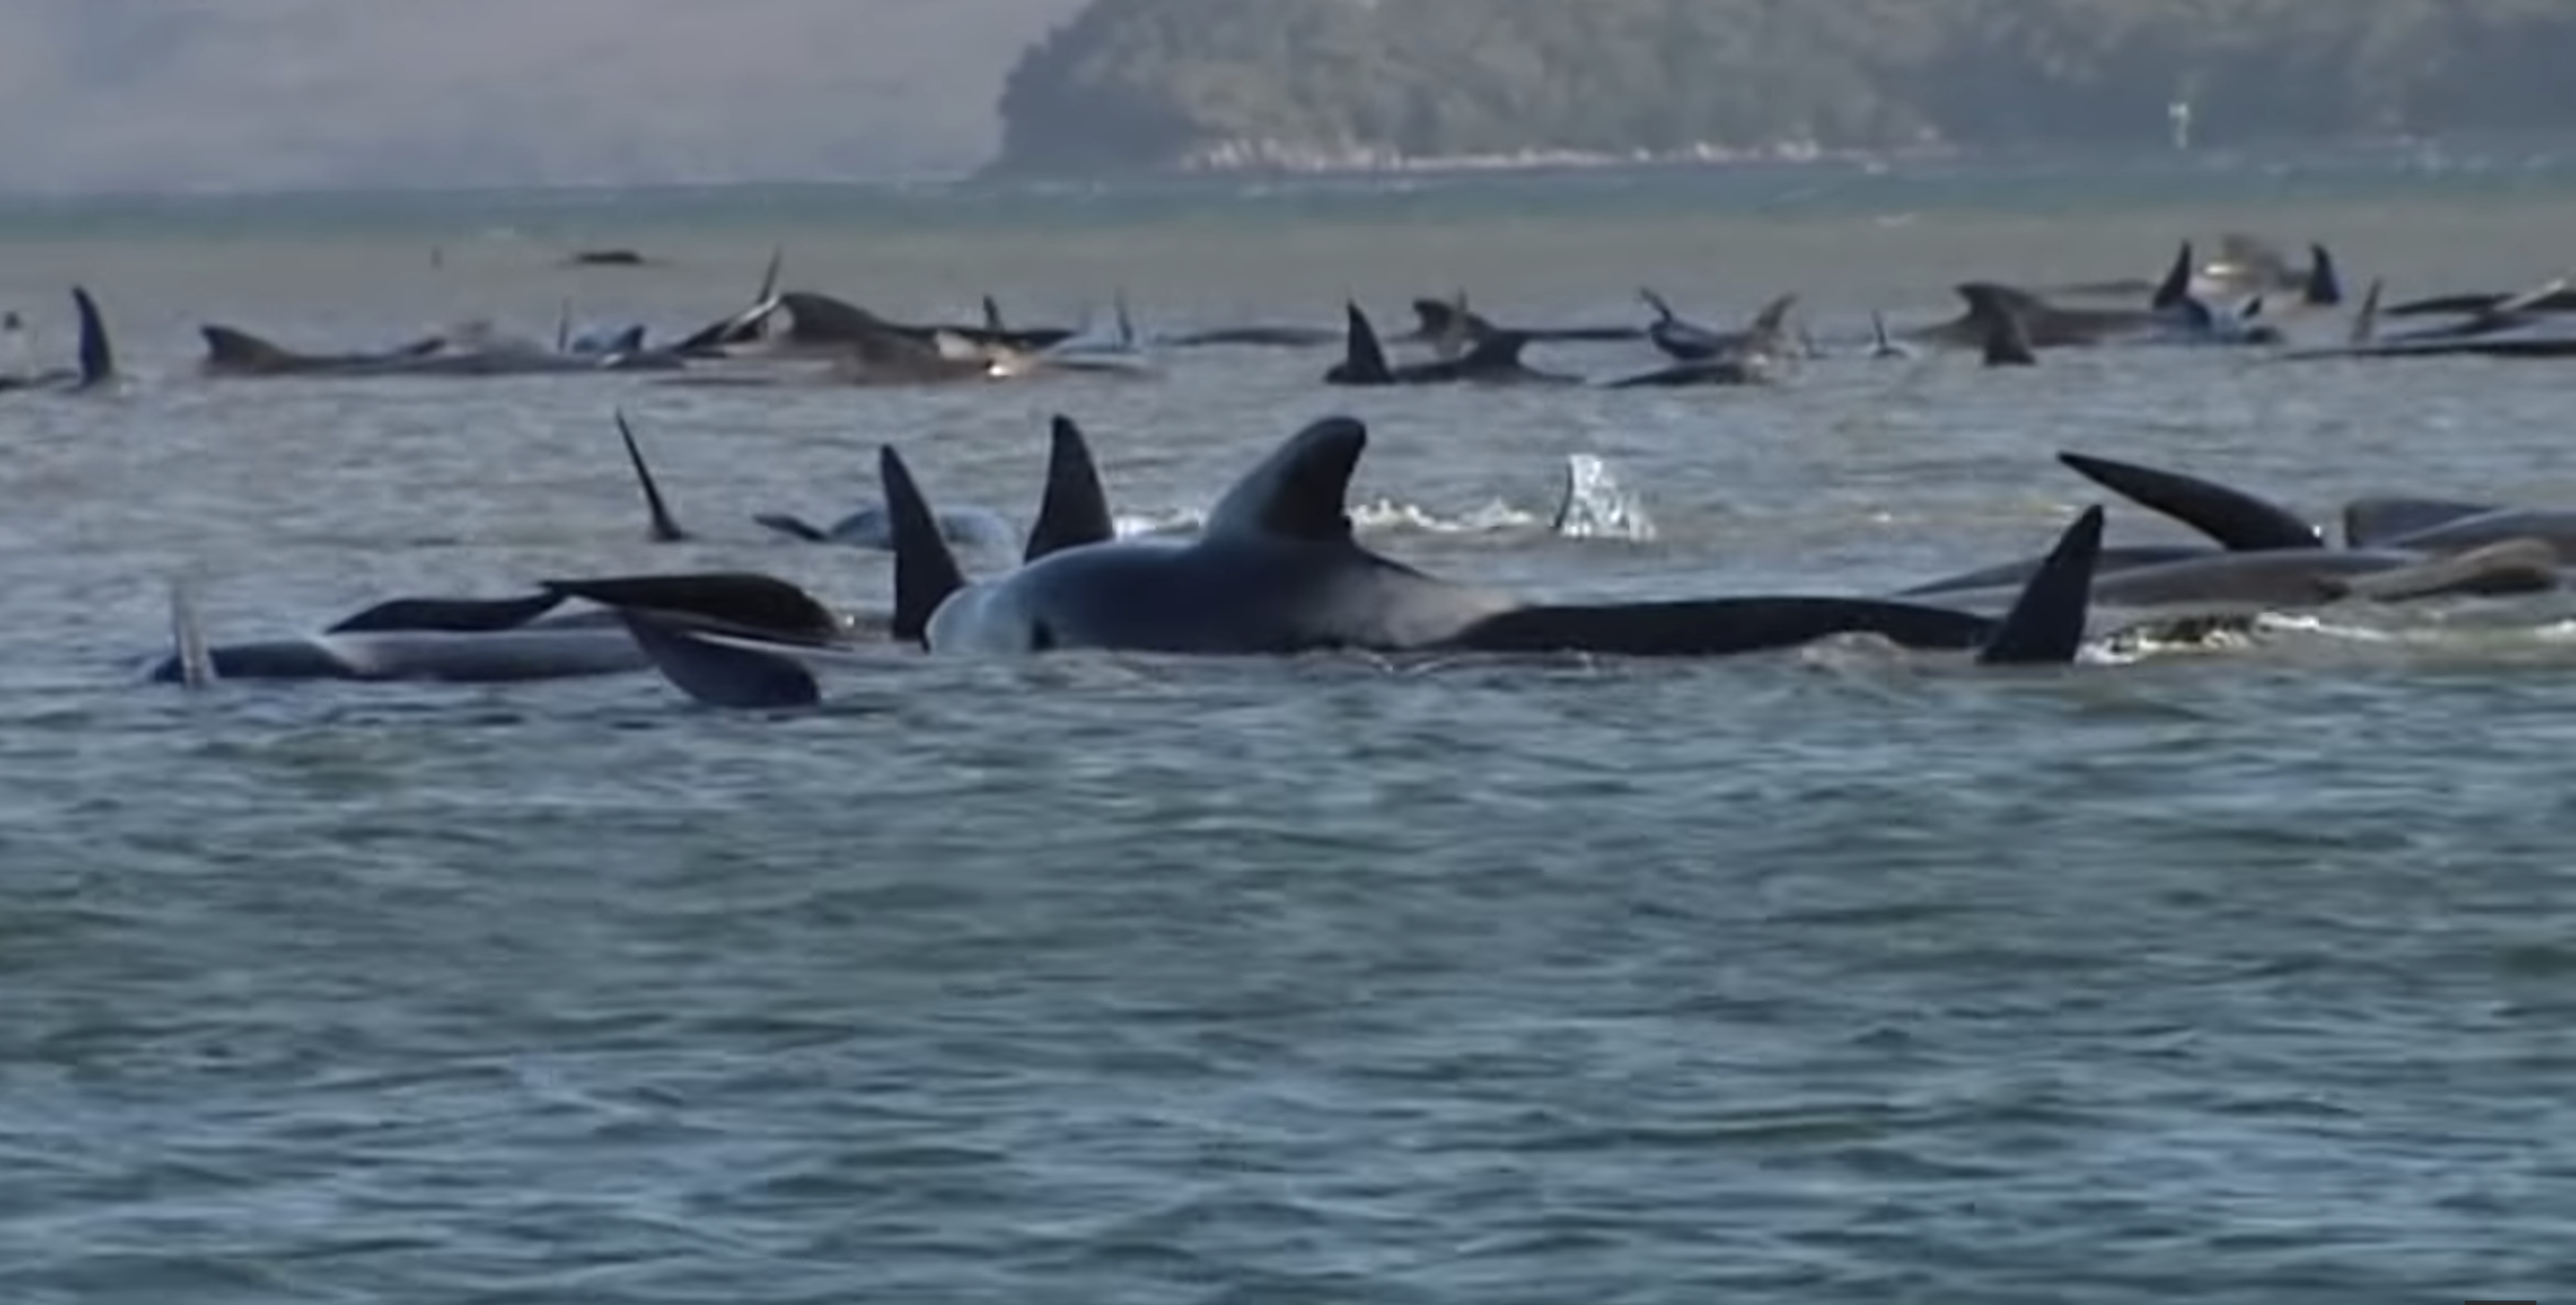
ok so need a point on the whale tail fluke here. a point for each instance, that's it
(1074, 510)
(662, 527)
(2046, 624)
(925, 571)
(190, 654)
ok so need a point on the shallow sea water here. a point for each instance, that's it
(2242, 976)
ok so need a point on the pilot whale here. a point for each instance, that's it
(95, 357)
(1495, 359)
(1277, 571)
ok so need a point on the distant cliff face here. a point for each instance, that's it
(148, 94)
(1221, 84)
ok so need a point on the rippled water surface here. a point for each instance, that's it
(2235, 977)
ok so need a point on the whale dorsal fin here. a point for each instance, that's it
(2238, 521)
(563, 325)
(993, 316)
(1300, 490)
(1075, 508)
(1773, 316)
(1363, 358)
(2046, 623)
(2175, 289)
(1126, 320)
(925, 572)
(238, 350)
(1999, 311)
(188, 647)
(662, 527)
(97, 354)
(1878, 331)
(2325, 286)
(2365, 323)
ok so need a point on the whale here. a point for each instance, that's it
(1278, 572)
(1494, 360)
(233, 352)
(1685, 341)
(1756, 355)
(464, 640)
(2265, 556)
(1451, 328)
(94, 358)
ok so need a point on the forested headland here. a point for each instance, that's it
(1148, 85)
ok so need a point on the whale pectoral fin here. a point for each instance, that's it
(793, 527)
(738, 601)
(993, 317)
(2046, 623)
(1664, 314)
(660, 526)
(1301, 491)
(193, 659)
(448, 615)
(2234, 519)
(925, 571)
(720, 675)
(1075, 508)
(97, 354)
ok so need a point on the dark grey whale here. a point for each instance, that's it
(95, 359)
(1277, 571)
(1495, 359)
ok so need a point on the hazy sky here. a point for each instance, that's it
(192, 94)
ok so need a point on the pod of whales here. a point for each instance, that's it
(1276, 571)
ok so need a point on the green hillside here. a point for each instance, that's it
(1149, 84)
